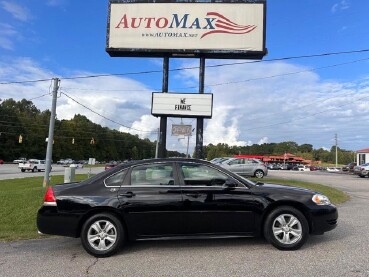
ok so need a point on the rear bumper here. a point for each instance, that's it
(324, 219)
(52, 222)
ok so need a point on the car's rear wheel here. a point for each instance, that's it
(286, 228)
(34, 169)
(102, 235)
(259, 173)
(23, 170)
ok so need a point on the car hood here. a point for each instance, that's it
(279, 187)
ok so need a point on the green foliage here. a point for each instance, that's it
(23, 118)
(305, 150)
(19, 201)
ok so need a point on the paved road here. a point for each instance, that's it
(341, 252)
(11, 171)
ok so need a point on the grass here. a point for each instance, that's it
(20, 200)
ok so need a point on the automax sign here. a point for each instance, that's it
(216, 30)
(182, 104)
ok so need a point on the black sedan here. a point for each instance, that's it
(180, 198)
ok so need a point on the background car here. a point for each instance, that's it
(362, 170)
(246, 167)
(349, 167)
(301, 168)
(178, 198)
(19, 160)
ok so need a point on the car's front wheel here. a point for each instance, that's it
(286, 228)
(259, 173)
(102, 235)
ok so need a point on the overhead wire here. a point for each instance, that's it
(190, 68)
(109, 119)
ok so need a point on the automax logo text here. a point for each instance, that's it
(213, 22)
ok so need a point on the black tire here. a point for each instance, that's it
(34, 169)
(115, 230)
(23, 170)
(286, 236)
(259, 173)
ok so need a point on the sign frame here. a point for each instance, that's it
(182, 113)
(187, 53)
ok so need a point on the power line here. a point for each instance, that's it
(111, 120)
(190, 68)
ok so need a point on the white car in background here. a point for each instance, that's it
(32, 165)
(301, 168)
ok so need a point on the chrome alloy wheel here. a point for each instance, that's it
(287, 229)
(102, 235)
(259, 174)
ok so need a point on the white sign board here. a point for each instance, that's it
(91, 161)
(182, 104)
(181, 130)
(186, 27)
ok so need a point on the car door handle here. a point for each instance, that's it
(127, 194)
(194, 195)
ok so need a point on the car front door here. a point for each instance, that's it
(237, 166)
(150, 200)
(210, 206)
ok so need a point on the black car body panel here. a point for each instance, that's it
(180, 206)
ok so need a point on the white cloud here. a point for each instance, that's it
(263, 140)
(301, 107)
(340, 6)
(7, 35)
(19, 12)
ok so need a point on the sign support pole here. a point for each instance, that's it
(200, 120)
(162, 149)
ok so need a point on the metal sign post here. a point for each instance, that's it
(162, 149)
(200, 120)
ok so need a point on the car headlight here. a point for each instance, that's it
(320, 199)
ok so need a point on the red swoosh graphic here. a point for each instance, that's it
(227, 26)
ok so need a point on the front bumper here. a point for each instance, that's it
(323, 219)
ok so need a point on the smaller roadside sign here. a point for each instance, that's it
(181, 130)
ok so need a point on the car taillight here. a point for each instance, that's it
(49, 199)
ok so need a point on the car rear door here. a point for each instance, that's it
(211, 207)
(150, 200)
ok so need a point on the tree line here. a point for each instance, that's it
(24, 129)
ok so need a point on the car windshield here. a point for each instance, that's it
(248, 181)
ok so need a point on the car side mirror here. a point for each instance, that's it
(230, 184)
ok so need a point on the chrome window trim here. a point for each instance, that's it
(107, 186)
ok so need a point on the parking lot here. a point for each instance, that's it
(341, 252)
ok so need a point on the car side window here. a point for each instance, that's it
(116, 180)
(237, 161)
(202, 175)
(152, 175)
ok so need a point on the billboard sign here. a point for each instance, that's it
(181, 130)
(221, 29)
(182, 104)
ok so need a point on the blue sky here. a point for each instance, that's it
(65, 38)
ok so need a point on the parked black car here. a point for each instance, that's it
(180, 198)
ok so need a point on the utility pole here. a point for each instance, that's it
(49, 151)
(335, 137)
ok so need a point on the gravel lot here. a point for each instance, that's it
(341, 252)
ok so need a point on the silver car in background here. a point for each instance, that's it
(245, 166)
